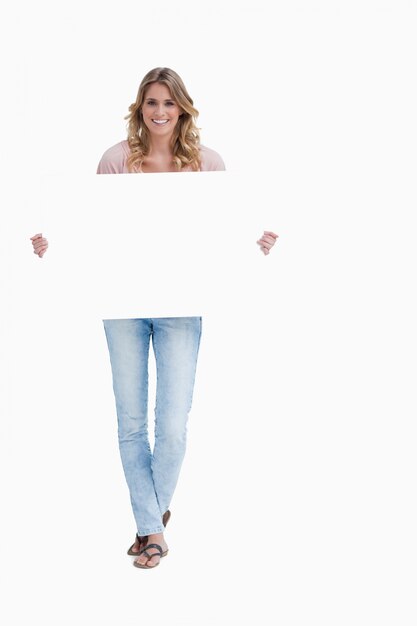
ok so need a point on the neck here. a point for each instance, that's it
(160, 146)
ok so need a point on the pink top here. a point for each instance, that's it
(114, 160)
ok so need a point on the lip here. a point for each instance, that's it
(155, 121)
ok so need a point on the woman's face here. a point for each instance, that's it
(160, 112)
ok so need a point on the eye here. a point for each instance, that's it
(170, 103)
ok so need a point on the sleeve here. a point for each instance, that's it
(218, 163)
(211, 161)
(112, 161)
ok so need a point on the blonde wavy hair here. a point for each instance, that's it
(186, 136)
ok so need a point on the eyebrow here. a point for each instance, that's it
(166, 100)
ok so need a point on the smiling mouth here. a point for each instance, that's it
(160, 122)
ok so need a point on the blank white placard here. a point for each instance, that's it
(157, 245)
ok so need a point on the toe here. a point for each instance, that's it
(149, 561)
(153, 561)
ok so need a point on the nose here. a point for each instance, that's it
(160, 109)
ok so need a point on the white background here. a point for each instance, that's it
(296, 502)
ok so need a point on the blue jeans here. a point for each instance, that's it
(152, 475)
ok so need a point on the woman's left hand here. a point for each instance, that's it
(267, 240)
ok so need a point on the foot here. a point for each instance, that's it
(152, 561)
(139, 544)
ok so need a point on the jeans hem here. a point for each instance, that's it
(151, 531)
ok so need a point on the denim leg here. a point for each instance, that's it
(128, 342)
(176, 342)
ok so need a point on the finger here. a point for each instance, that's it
(269, 232)
(267, 244)
(36, 236)
(40, 242)
(269, 239)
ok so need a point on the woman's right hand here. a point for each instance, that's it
(40, 244)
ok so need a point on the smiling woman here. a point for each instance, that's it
(162, 131)
(162, 137)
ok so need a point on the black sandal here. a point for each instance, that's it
(146, 553)
(165, 517)
(140, 542)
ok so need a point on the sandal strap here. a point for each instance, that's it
(152, 545)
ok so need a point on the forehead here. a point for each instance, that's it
(159, 91)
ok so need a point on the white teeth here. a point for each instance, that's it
(160, 121)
